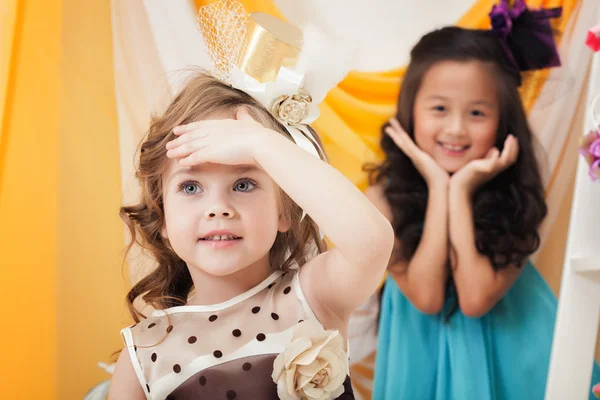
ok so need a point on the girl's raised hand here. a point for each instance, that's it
(478, 172)
(220, 141)
(429, 169)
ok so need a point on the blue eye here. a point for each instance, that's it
(244, 185)
(189, 188)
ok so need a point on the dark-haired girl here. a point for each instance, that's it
(464, 315)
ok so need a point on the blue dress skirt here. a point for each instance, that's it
(503, 355)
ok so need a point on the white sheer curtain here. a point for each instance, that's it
(557, 116)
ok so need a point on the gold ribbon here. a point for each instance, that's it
(269, 44)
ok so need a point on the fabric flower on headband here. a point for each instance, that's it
(590, 150)
(593, 38)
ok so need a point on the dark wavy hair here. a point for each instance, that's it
(509, 209)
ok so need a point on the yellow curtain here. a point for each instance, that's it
(29, 90)
(7, 38)
(91, 299)
(61, 240)
(354, 111)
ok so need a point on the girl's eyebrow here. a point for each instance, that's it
(436, 97)
(242, 169)
(239, 169)
(181, 171)
(483, 102)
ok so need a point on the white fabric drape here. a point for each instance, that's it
(384, 31)
(557, 116)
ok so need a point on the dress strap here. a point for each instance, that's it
(300, 294)
(130, 348)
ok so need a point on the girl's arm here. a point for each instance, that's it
(124, 384)
(478, 285)
(342, 278)
(423, 279)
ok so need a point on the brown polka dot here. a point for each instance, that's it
(212, 318)
(152, 325)
(202, 380)
(260, 337)
(192, 339)
(169, 328)
(231, 394)
(301, 321)
(256, 310)
(218, 353)
(237, 333)
(247, 366)
(177, 368)
(147, 388)
(271, 285)
(274, 316)
(153, 357)
(287, 290)
(134, 348)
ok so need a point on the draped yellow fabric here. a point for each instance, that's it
(61, 240)
(7, 38)
(91, 235)
(353, 112)
(29, 38)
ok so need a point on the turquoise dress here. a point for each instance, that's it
(503, 355)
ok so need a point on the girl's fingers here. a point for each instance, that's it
(198, 157)
(185, 149)
(181, 129)
(399, 140)
(186, 138)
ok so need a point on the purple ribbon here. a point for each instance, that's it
(526, 35)
(502, 16)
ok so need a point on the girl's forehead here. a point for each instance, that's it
(460, 76)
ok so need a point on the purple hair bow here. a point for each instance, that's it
(526, 35)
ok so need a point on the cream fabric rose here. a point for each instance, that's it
(314, 365)
(292, 109)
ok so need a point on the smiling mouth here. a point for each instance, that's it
(453, 147)
(220, 238)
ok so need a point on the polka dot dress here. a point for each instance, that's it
(222, 351)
